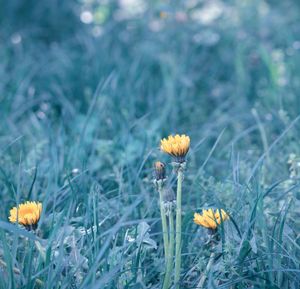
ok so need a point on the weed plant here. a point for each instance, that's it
(89, 88)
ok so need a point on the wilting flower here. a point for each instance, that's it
(210, 219)
(159, 171)
(26, 214)
(176, 146)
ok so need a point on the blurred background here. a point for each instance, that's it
(183, 64)
(89, 87)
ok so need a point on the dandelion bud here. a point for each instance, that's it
(160, 171)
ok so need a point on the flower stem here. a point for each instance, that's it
(178, 227)
(163, 222)
(167, 281)
(208, 267)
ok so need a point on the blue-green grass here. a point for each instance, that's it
(83, 108)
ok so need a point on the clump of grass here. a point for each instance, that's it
(83, 104)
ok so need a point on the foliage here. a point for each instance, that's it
(88, 88)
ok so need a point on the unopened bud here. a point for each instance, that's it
(160, 171)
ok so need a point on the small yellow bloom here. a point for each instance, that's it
(26, 214)
(176, 146)
(210, 219)
(163, 14)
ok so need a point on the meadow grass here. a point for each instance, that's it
(83, 108)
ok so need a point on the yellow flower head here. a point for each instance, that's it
(210, 219)
(176, 146)
(26, 214)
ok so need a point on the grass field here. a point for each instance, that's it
(89, 88)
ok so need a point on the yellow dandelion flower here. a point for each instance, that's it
(26, 214)
(210, 219)
(176, 146)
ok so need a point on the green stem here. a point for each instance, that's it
(178, 227)
(167, 281)
(164, 223)
(208, 267)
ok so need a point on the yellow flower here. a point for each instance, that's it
(26, 214)
(176, 146)
(210, 219)
(163, 14)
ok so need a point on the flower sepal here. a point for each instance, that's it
(178, 166)
(159, 184)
